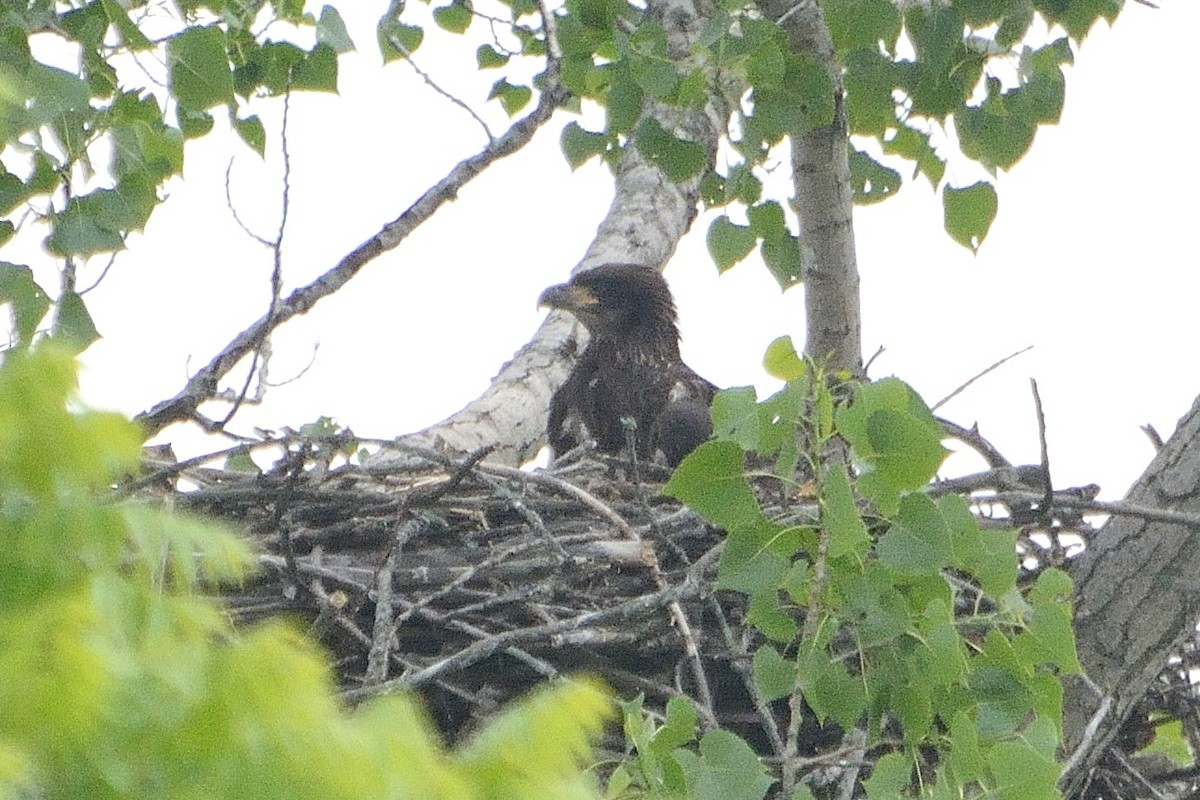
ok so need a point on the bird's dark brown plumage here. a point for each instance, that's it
(631, 368)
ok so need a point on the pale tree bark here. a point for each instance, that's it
(824, 203)
(1137, 600)
(648, 216)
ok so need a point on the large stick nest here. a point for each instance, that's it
(470, 583)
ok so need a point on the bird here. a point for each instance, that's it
(631, 371)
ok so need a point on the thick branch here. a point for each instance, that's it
(203, 385)
(824, 202)
(1137, 599)
(648, 216)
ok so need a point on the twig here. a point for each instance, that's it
(1118, 508)
(432, 84)
(1041, 423)
(384, 630)
(483, 648)
(1154, 436)
(979, 375)
(971, 437)
(261, 353)
(568, 489)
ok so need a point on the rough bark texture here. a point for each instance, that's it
(824, 203)
(1137, 599)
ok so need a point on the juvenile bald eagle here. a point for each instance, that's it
(631, 368)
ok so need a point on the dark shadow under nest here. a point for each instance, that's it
(471, 583)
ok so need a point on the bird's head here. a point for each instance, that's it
(615, 298)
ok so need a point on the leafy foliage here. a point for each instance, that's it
(909, 71)
(891, 610)
(90, 149)
(117, 679)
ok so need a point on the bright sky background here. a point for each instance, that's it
(1092, 261)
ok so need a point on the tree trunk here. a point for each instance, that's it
(824, 203)
(1137, 600)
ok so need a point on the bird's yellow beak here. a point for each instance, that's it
(567, 297)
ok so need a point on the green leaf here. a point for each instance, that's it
(1078, 16)
(870, 181)
(7, 230)
(802, 101)
(919, 542)
(945, 73)
(743, 185)
(1021, 771)
(86, 25)
(318, 71)
(966, 757)
(769, 616)
(992, 133)
(725, 769)
(193, 124)
(830, 689)
(969, 213)
(488, 57)
(678, 159)
(1015, 25)
(735, 416)
(331, 30)
(1049, 630)
(782, 361)
(679, 727)
(656, 76)
(455, 18)
(774, 674)
(890, 778)
(914, 145)
(728, 243)
(55, 93)
(623, 106)
(990, 557)
(877, 609)
(711, 480)
(73, 326)
(511, 96)
(29, 302)
(767, 220)
(12, 191)
(870, 81)
(784, 259)
(579, 145)
(198, 71)
(766, 66)
(397, 40)
(757, 559)
(1053, 587)
(131, 36)
(252, 132)
(1170, 741)
(862, 24)
(79, 231)
(895, 435)
(840, 518)
(1002, 701)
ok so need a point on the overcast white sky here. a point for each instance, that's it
(1091, 260)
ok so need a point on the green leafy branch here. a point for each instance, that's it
(119, 679)
(879, 607)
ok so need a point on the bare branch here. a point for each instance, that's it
(203, 385)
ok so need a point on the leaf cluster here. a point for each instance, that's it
(89, 150)
(887, 610)
(119, 680)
